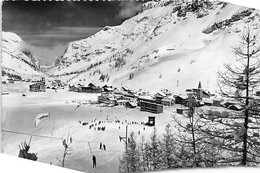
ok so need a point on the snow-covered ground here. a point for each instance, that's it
(19, 116)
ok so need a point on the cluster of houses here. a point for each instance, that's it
(111, 96)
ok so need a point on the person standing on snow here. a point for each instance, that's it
(94, 161)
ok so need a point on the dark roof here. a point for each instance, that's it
(152, 103)
(91, 85)
(181, 97)
(125, 88)
(105, 86)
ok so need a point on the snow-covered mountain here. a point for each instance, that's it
(16, 59)
(166, 46)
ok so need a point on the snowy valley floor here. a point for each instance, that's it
(19, 114)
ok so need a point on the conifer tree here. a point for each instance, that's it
(155, 153)
(168, 147)
(130, 160)
(142, 156)
(190, 141)
(236, 133)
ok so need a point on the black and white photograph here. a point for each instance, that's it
(131, 86)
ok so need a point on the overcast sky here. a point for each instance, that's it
(47, 27)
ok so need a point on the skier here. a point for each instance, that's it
(94, 161)
(104, 147)
(100, 146)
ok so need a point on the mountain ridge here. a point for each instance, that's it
(16, 59)
(163, 45)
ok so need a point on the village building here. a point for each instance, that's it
(150, 105)
(129, 95)
(116, 91)
(142, 93)
(167, 102)
(91, 88)
(147, 99)
(107, 89)
(57, 83)
(122, 102)
(119, 97)
(198, 93)
(74, 88)
(208, 102)
(112, 101)
(107, 99)
(159, 96)
(130, 105)
(102, 99)
(4, 79)
(167, 92)
(217, 102)
(180, 99)
(37, 87)
(10, 80)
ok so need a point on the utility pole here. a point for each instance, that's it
(124, 138)
(90, 149)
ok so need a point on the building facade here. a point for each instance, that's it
(37, 87)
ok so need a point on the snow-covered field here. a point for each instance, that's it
(20, 113)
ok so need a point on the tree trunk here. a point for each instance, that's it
(244, 159)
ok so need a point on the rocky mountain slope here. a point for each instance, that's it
(166, 46)
(16, 59)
